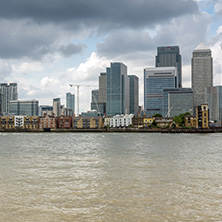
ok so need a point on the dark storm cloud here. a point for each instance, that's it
(125, 13)
(34, 28)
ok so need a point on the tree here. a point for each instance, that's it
(180, 119)
(157, 115)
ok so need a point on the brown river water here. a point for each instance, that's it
(68, 177)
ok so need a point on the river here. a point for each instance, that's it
(68, 177)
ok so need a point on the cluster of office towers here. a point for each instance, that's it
(118, 92)
(163, 91)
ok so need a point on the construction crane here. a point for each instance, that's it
(77, 86)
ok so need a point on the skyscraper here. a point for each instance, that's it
(8, 92)
(202, 73)
(117, 89)
(155, 81)
(70, 101)
(102, 88)
(170, 56)
(213, 97)
(56, 107)
(134, 94)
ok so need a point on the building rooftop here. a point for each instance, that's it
(201, 47)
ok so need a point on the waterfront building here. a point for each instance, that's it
(134, 94)
(177, 101)
(47, 122)
(19, 121)
(24, 107)
(147, 121)
(202, 73)
(7, 122)
(56, 107)
(155, 81)
(88, 122)
(70, 102)
(137, 122)
(190, 121)
(168, 56)
(121, 121)
(164, 122)
(8, 92)
(46, 110)
(31, 122)
(202, 115)
(117, 89)
(213, 96)
(64, 122)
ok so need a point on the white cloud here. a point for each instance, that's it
(27, 67)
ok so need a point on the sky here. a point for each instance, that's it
(47, 45)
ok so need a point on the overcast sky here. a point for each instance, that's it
(46, 45)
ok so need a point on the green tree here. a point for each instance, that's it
(157, 115)
(180, 119)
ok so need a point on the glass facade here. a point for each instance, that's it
(202, 73)
(213, 97)
(177, 101)
(117, 89)
(155, 81)
(28, 107)
(170, 56)
(8, 92)
(70, 101)
(134, 94)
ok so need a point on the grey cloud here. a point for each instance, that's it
(187, 32)
(71, 49)
(118, 13)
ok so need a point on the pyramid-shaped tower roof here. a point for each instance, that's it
(201, 47)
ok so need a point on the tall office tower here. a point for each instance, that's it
(56, 107)
(102, 88)
(170, 56)
(8, 92)
(24, 107)
(155, 81)
(95, 96)
(134, 94)
(95, 104)
(117, 89)
(213, 96)
(70, 101)
(177, 101)
(202, 73)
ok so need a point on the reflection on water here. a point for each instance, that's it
(110, 177)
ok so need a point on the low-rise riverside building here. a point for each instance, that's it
(202, 115)
(137, 122)
(147, 121)
(19, 122)
(164, 121)
(121, 121)
(87, 122)
(64, 122)
(47, 122)
(31, 122)
(190, 121)
(7, 122)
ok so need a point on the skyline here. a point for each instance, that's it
(45, 47)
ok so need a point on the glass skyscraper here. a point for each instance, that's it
(202, 73)
(70, 101)
(134, 94)
(170, 56)
(213, 96)
(117, 89)
(8, 92)
(177, 101)
(155, 81)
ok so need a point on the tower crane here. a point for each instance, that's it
(77, 86)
